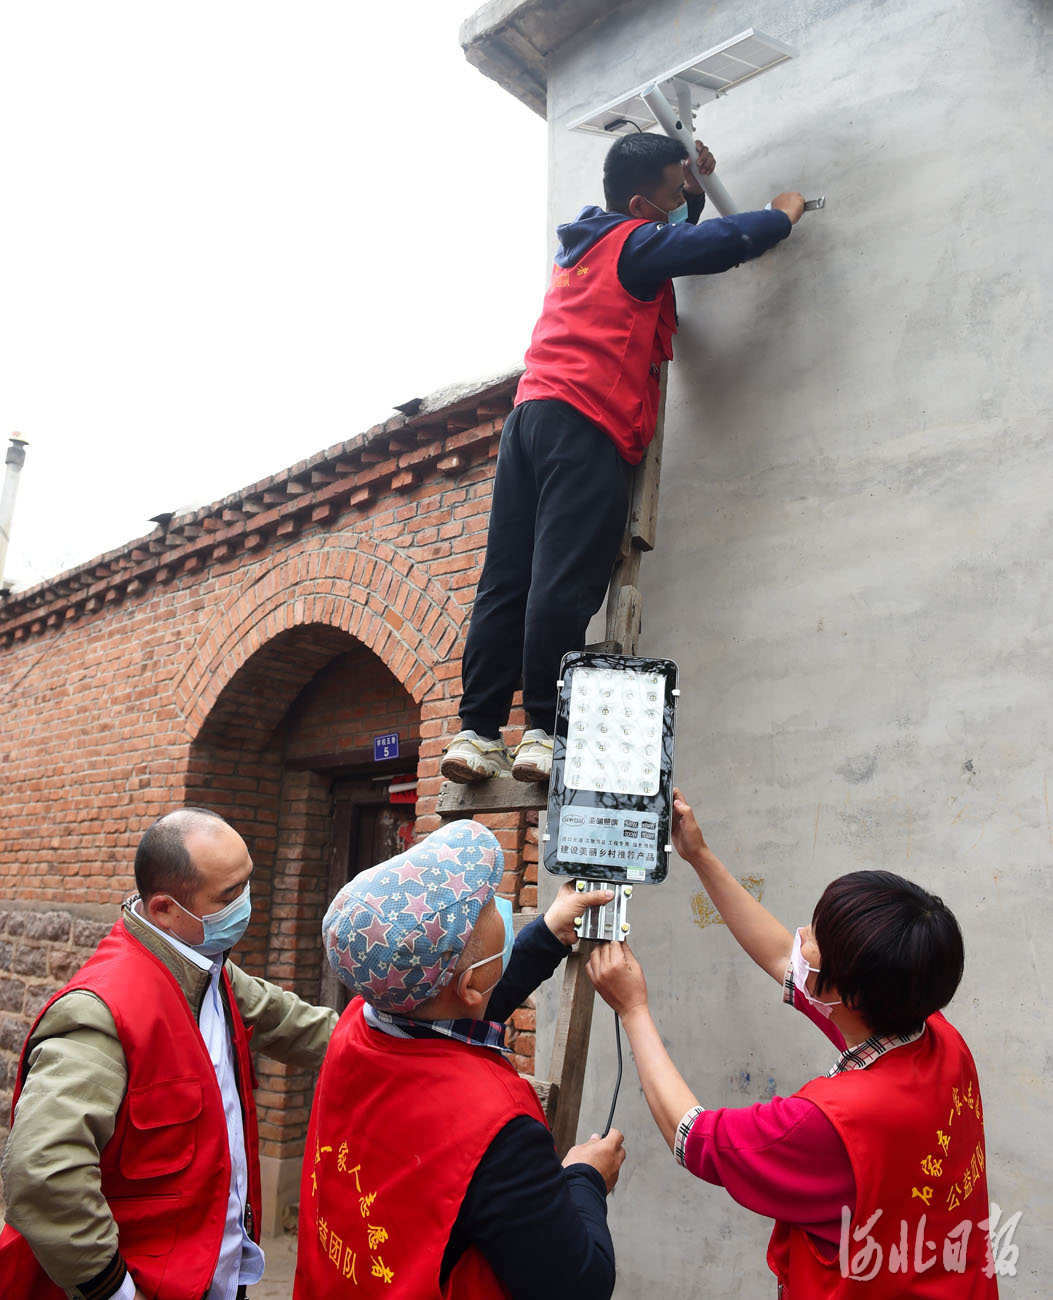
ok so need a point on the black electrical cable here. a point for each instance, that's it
(618, 1081)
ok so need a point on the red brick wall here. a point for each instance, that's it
(214, 660)
(352, 699)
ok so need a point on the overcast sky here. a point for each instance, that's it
(235, 233)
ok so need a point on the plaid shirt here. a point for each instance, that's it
(852, 1058)
(863, 1054)
(477, 1033)
(682, 1131)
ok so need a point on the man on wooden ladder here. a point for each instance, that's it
(584, 414)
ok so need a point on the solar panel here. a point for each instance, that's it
(705, 77)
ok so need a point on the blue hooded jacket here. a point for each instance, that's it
(658, 251)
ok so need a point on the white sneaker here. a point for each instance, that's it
(471, 757)
(533, 756)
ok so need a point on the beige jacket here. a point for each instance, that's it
(74, 1086)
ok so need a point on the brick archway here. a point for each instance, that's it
(368, 591)
(306, 648)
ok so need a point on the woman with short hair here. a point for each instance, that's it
(876, 1172)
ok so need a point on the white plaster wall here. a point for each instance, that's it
(854, 563)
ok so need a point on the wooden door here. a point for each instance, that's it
(367, 829)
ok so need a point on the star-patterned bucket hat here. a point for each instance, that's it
(395, 932)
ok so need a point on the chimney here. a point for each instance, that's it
(15, 459)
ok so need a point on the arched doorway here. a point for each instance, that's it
(286, 755)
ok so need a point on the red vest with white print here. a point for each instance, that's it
(912, 1125)
(166, 1169)
(601, 350)
(397, 1130)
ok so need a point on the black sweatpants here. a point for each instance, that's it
(560, 502)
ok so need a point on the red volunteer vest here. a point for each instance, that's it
(166, 1170)
(913, 1129)
(601, 350)
(397, 1129)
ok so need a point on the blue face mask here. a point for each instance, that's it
(504, 910)
(224, 928)
(677, 215)
(504, 907)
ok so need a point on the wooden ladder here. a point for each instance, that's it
(560, 1094)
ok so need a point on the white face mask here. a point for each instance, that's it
(801, 971)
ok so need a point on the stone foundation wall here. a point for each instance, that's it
(39, 952)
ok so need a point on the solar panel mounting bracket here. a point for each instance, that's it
(672, 99)
(680, 125)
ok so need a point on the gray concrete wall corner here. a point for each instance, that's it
(509, 41)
